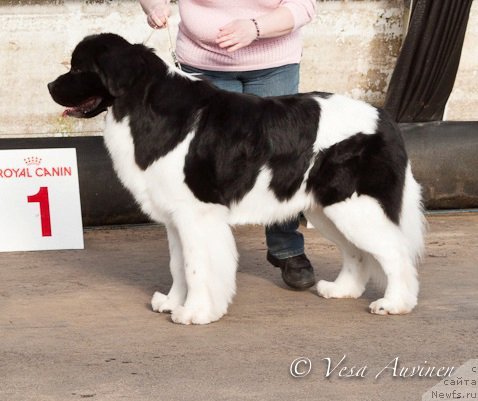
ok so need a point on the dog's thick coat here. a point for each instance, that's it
(199, 160)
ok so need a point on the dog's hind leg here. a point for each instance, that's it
(210, 261)
(363, 222)
(351, 281)
(177, 293)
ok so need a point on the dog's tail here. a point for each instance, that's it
(412, 220)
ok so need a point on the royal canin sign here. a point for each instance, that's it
(33, 169)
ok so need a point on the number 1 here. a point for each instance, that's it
(42, 198)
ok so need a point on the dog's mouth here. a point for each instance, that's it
(84, 109)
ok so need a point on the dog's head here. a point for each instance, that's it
(103, 68)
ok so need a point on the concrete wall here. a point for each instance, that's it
(463, 102)
(351, 48)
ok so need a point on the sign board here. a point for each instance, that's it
(39, 200)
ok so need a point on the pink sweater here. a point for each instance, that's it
(200, 23)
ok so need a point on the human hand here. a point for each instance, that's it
(158, 15)
(236, 35)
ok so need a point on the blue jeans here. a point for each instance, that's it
(283, 240)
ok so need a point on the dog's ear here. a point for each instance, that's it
(119, 69)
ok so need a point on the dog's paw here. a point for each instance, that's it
(329, 289)
(164, 303)
(185, 315)
(384, 306)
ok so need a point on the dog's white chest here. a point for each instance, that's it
(160, 189)
(119, 142)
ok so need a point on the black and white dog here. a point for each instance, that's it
(199, 160)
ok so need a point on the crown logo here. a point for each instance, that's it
(32, 161)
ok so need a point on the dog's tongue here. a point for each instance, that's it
(74, 112)
(83, 108)
(71, 112)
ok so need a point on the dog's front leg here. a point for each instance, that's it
(210, 261)
(177, 293)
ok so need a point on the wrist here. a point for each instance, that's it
(256, 27)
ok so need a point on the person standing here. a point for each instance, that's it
(254, 47)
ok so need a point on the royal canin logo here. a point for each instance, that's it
(32, 161)
(33, 169)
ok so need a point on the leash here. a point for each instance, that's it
(171, 47)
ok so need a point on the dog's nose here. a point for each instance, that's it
(50, 86)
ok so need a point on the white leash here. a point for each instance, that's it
(149, 37)
(171, 47)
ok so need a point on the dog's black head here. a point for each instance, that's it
(103, 67)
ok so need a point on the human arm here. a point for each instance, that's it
(289, 16)
(157, 12)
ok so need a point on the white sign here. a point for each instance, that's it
(39, 200)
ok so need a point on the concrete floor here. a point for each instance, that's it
(78, 325)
